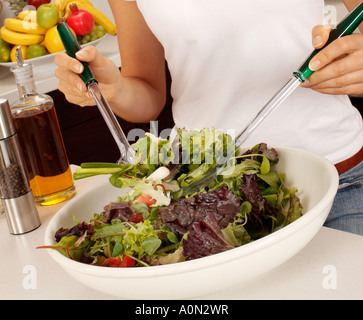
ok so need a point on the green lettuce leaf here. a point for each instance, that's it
(141, 240)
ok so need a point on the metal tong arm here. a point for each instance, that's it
(127, 153)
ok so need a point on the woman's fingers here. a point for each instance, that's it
(337, 49)
(73, 87)
(62, 60)
(340, 71)
(90, 54)
(69, 79)
(320, 35)
(351, 89)
(104, 70)
(339, 66)
(71, 84)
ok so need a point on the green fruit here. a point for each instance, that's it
(47, 15)
(4, 51)
(35, 50)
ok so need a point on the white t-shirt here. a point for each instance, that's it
(228, 58)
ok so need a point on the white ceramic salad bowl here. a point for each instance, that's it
(317, 182)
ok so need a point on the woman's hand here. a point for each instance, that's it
(75, 91)
(338, 67)
(138, 93)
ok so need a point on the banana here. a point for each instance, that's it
(29, 15)
(62, 4)
(98, 16)
(24, 26)
(19, 38)
(60, 15)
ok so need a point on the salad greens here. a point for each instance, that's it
(153, 225)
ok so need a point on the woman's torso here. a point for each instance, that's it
(227, 58)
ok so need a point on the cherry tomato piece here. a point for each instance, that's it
(145, 198)
(127, 262)
(112, 262)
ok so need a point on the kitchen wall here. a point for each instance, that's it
(104, 7)
(333, 7)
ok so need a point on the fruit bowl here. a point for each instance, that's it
(44, 65)
(314, 176)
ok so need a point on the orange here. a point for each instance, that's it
(23, 52)
(52, 40)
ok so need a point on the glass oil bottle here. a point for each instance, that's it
(41, 141)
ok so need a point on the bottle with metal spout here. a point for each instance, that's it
(41, 141)
(16, 196)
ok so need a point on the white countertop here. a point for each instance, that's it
(329, 267)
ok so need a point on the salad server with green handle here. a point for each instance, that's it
(345, 27)
(72, 47)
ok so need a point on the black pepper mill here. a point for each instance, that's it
(16, 196)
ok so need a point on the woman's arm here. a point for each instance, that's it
(138, 94)
(143, 80)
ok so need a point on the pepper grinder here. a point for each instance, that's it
(17, 198)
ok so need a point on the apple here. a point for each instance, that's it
(37, 3)
(47, 15)
(35, 51)
(4, 51)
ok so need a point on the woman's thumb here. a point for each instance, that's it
(90, 54)
(320, 35)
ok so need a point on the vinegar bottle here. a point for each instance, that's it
(41, 141)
